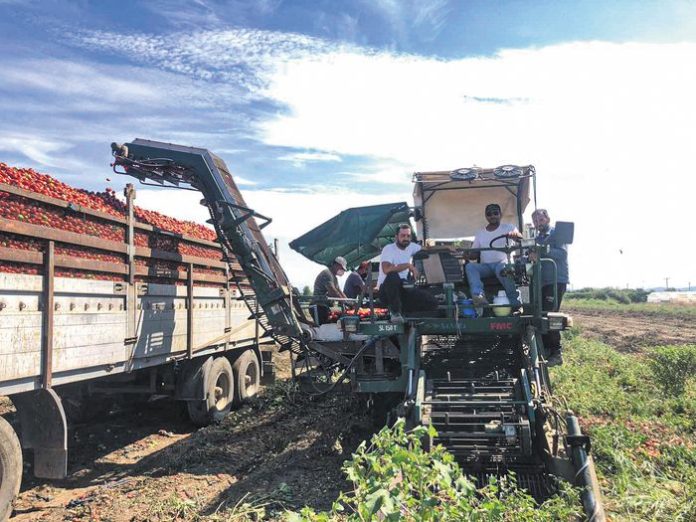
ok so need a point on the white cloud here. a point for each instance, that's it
(300, 158)
(76, 80)
(48, 153)
(293, 214)
(244, 181)
(608, 126)
(241, 56)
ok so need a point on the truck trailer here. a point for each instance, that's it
(101, 298)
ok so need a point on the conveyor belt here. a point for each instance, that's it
(475, 401)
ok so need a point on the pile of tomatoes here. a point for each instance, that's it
(18, 208)
(363, 313)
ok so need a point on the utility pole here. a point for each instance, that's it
(666, 283)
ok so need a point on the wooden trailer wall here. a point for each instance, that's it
(56, 330)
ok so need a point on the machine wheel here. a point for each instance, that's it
(247, 376)
(219, 392)
(10, 468)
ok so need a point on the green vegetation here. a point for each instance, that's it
(641, 415)
(673, 366)
(639, 411)
(624, 296)
(396, 479)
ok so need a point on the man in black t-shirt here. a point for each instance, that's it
(326, 286)
(355, 284)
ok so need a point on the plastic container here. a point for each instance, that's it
(466, 307)
(501, 299)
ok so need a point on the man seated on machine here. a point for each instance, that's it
(395, 267)
(491, 262)
(355, 283)
(326, 286)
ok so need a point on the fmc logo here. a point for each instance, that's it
(501, 326)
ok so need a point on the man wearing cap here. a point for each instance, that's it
(395, 267)
(326, 286)
(491, 262)
(355, 283)
(559, 253)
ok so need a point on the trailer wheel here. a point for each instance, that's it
(219, 391)
(10, 468)
(247, 376)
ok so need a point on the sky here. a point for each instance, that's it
(321, 106)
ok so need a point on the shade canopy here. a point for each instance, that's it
(357, 234)
(451, 204)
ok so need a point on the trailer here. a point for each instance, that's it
(84, 318)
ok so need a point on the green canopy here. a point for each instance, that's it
(358, 234)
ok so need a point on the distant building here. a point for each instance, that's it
(672, 297)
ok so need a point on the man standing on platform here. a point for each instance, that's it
(559, 253)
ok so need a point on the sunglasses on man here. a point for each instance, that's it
(493, 213)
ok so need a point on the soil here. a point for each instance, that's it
(633, 332)
(281, 450)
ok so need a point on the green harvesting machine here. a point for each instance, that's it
(478, 377)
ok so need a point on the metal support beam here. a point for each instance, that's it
(129, 192)
(48, 311)
(189, 312)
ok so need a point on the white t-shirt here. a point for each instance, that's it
(483, 240)
(394, 255)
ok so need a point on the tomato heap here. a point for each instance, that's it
(70, 219)
(363, 313)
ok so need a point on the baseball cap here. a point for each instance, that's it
(342, 262)
(492, 206)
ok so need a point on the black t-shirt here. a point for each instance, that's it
(353, 285)
(323, 282)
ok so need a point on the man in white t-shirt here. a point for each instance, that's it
(395, 266)
(491, 262)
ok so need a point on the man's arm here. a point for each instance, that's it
(388, 267)
(333, 291)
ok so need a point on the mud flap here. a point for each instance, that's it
(190, 385)
(44, 429)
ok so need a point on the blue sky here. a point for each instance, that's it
(317, 106)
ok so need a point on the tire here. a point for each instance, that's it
(247, 377)
(10, 468)
(219, 392)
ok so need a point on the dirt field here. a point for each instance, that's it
(631, 331)
(143, 462)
